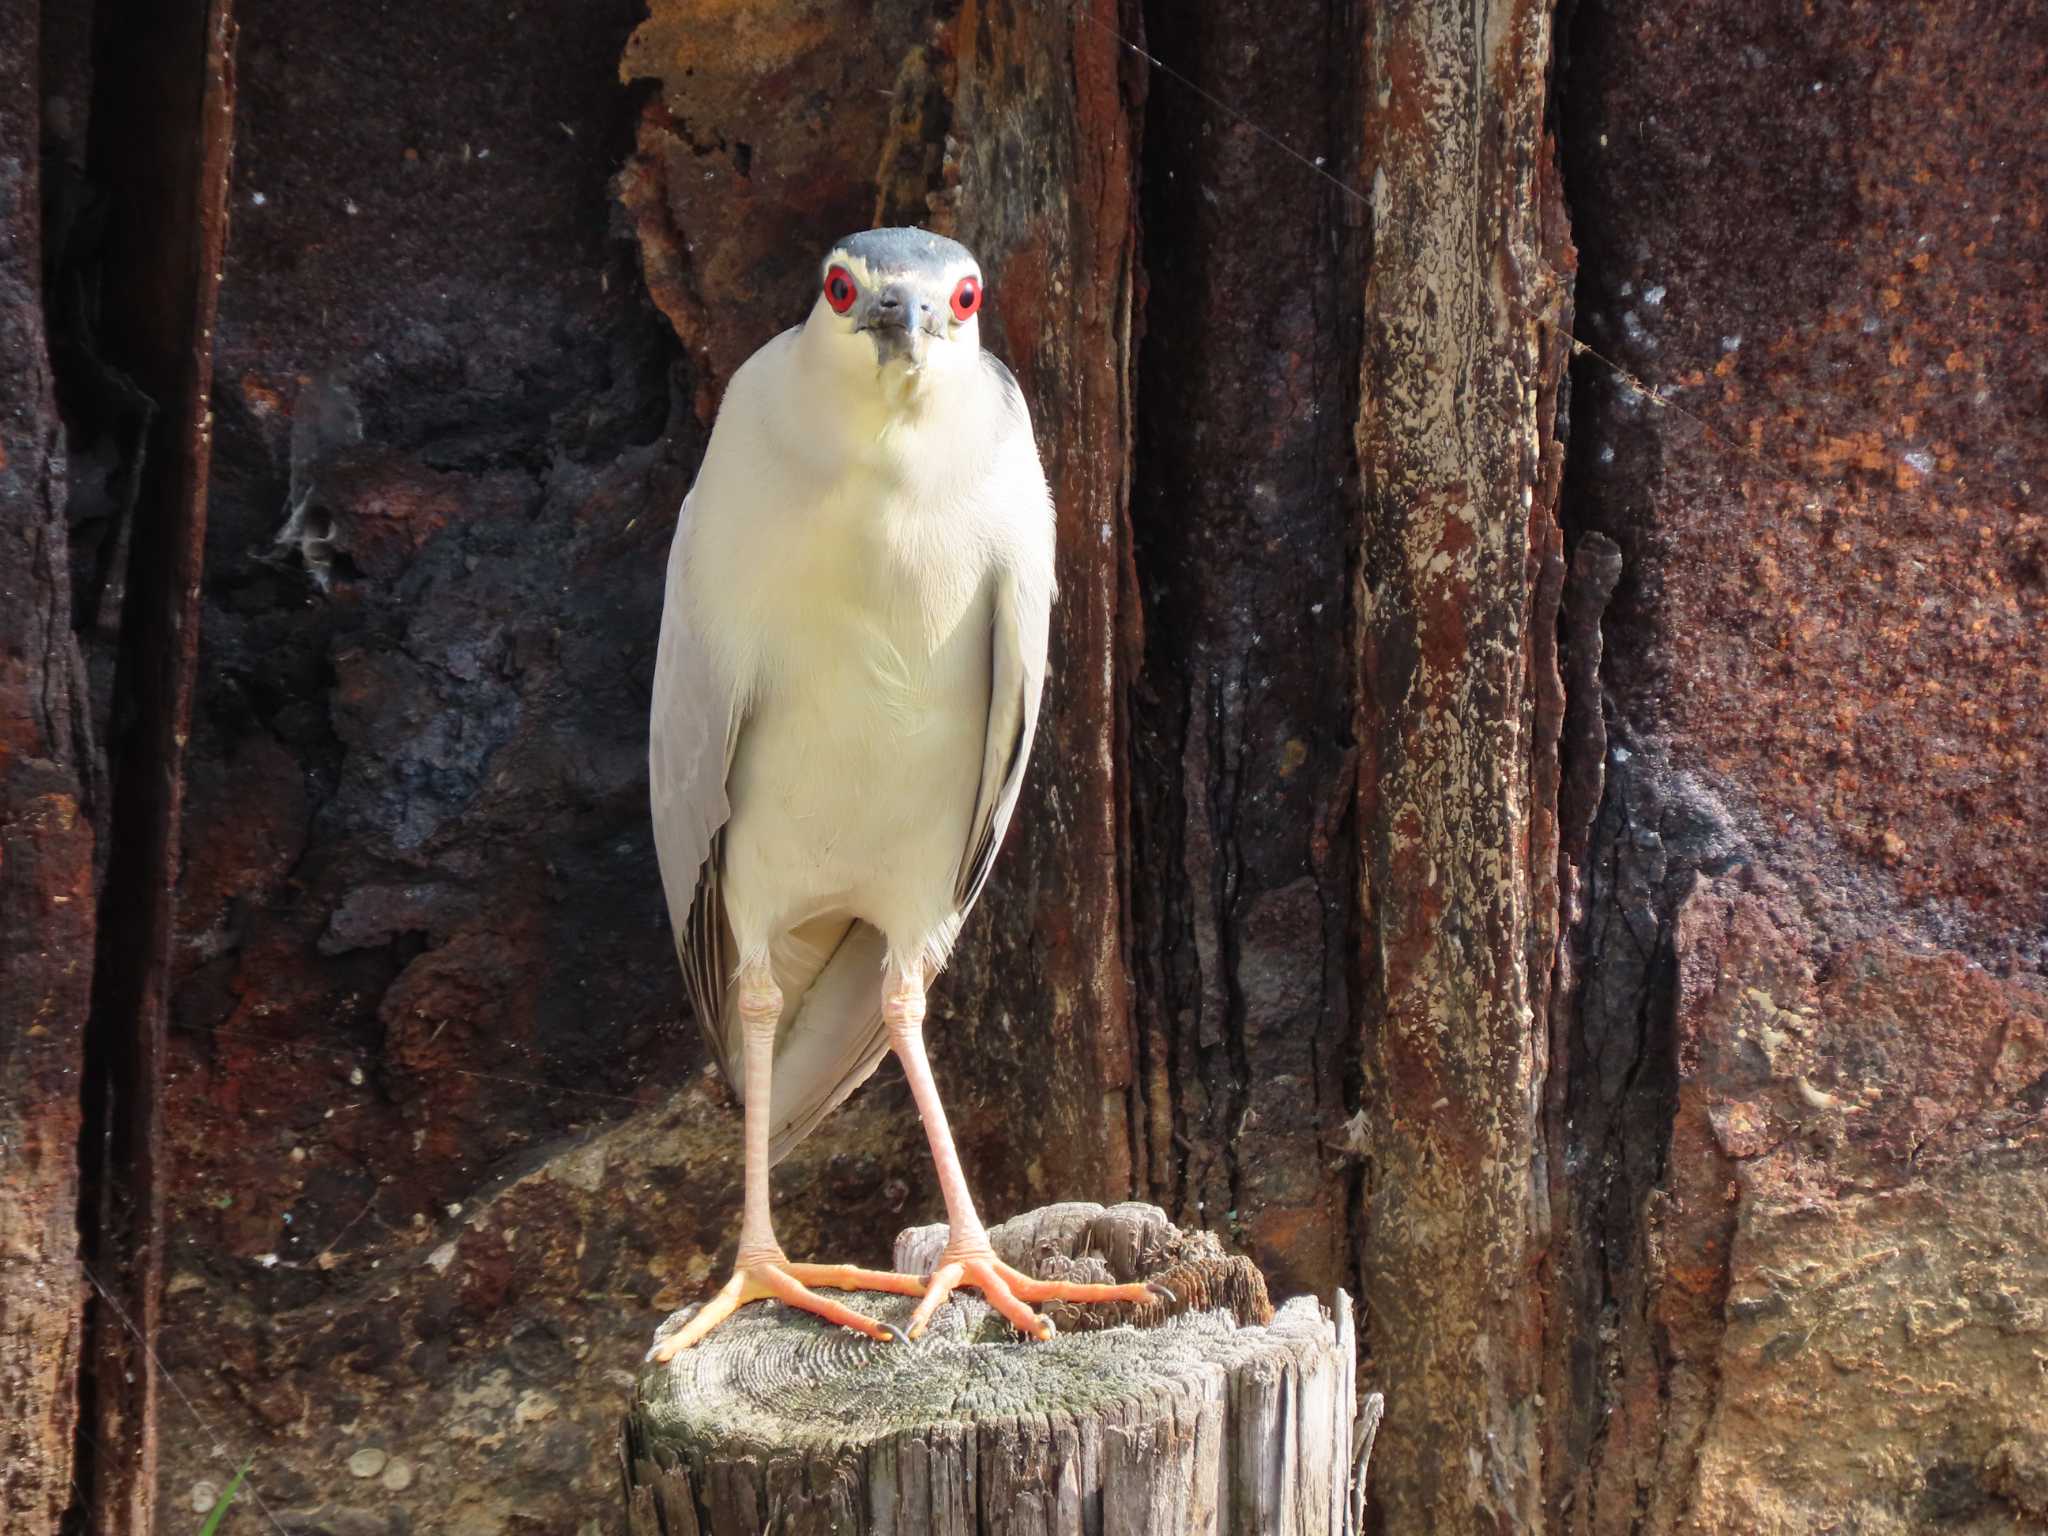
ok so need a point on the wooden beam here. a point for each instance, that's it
(46, 849)
(1463, 353)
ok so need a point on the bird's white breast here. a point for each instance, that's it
(851, 595)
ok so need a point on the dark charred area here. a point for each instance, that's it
(136, 132)
(50, 794)
(1243, 508)
(1655, 835)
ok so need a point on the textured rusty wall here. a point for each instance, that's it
(1805, 1106)
(1825, 235)
(1723, 1214)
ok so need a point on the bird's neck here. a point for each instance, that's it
(889, 418)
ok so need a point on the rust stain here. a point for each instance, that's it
(1862, 293)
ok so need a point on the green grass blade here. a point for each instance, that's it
(227, 1497)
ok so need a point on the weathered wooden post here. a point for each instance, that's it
(1214, 1415)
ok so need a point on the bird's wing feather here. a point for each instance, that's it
(1020, 625)
(692, 730)
(1016, 679)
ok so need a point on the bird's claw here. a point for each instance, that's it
(1162, 1292)
(654, 1353)
(1012, 1292)
(782, 1281)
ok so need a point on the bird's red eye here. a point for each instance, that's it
(966, 298)
(840, 291)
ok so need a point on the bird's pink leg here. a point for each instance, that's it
(761, 1269)
(968, 1259)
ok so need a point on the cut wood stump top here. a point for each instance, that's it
(1209, 1419)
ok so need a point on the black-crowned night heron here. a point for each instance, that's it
(852, 651)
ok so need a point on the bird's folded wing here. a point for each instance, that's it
(692, 729)
(1016, 679)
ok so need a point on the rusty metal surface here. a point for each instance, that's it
(1821, 235)
(1824, 234)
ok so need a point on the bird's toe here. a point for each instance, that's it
(779, 1281)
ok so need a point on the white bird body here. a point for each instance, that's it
(852, 651)
(861, 584)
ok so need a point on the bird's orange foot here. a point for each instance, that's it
(1010, 1291)
(789, 1284)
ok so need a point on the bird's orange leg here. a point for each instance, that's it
(761, 1269)
(968, 1259)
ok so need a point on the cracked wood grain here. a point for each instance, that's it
(1199, 1423)
(46, 854)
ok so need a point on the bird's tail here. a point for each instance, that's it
(832, 1037)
